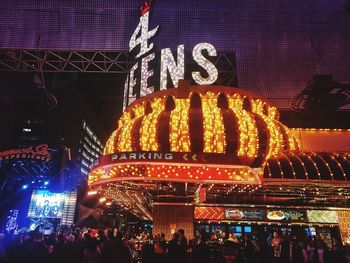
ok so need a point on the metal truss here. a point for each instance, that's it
(93, 62)
(64, 61)
(226, 63)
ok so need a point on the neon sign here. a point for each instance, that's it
(140, 72)
(40, 152)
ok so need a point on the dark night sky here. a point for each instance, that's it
(104, 93)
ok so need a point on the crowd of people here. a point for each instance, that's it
(109, 245)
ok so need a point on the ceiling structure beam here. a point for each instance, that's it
(64, 61)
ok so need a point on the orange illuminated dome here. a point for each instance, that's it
(213, 133)
(208, 119)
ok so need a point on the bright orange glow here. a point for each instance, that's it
(214, 133)
(248, 133)
(175, 172)
(179, 130)
(276, 137)
(149, 127)
(124, 142)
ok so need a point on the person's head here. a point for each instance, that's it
(246, 237)
(90, 244)
(311, 242)
(182, 232)
(230, 235)
(77, 232)
(230, 252)
(46, 202)
(38, 236)
(204, 237)
(321, 244)
(101, 234)
(223, 234)
(275, 234)
(110, 234)
(115, 232)
(176, 236)
(71, 238)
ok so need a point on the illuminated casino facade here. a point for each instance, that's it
(204, 156)
(212, 152)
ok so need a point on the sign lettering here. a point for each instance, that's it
(136, 84)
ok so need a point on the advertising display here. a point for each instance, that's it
(45, 204)
(253, 214)
(322, 216)
(38, 152)
(240, 214)
(285, 215)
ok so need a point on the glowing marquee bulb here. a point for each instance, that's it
(149, 127)
(204, 63)
(144, 36)
(213, 124)
(145, 74)
(176, 71)
(124, 140)
(179, 128)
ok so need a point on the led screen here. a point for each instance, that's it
(278, 45)
(45, 204)
(247, 229)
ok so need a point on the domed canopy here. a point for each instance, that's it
(203, 119)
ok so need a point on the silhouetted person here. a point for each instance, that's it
(91, 251)
(147, 253)
(309, 251)
(230, 253)
(3, 256)
(183, 238)
(176, 249)
(160, 248)
(285, 250)
(35, 250)
(214, 248)
(297, 251)
(114, 250)
(248, 249)
(200, 252)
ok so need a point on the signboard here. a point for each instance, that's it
(39, 152)
(244, 214)
(322, 216)
(201, 195)
(143, 78)
(285, 215)
(45, 204)
(209, 213)
(249, 214)
(169, 157)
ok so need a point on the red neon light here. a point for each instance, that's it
(41, 149)
(205, 213)
(146, 7)
(174, 173)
